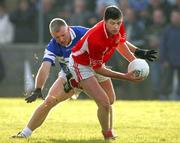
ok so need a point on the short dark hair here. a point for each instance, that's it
(112, 12)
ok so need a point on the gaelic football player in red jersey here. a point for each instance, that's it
(87, 64)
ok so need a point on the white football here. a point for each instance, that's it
(140, 67)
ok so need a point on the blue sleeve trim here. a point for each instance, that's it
(49, 60)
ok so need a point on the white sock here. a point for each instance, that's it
(26, 132)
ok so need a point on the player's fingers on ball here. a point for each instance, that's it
(153, 52)
(153, 56)
(150, 59)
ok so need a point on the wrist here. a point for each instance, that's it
(139, 53)
(138, 50)
(37, 89)
(122, 76)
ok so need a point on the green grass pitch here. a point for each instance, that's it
(75, 121)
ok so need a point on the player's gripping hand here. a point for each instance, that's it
(34, 95)
(150, 55)
(134, 76)
(70, 84)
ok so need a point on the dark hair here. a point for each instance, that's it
(112, 12)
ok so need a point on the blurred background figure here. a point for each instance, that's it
(6, 27)
(6, 34)
(153, 36)
(134, 29)
(169, 56)
(49, 12)
(138, 6)
(24, 19)
(80, 13)
(100, 6)
(2, 69)
(159, 4)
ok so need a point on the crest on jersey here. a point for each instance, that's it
(117, 41)
(96, 62)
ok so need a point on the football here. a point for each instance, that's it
(140, 68)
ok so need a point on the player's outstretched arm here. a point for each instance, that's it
(41, 78)
(124, 50)
(150, 55)
(118, 75)
(34, 95)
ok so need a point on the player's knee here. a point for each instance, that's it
(105, 104)
(50, 102)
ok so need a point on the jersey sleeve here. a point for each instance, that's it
(51, 52)
(123, 33)
(82, 30)
(95, 53)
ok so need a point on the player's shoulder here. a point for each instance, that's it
(97, 32)
(79, 28)
(52, 43)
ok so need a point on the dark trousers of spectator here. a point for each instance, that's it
(167, 76)
(155, 79)
(2, 69)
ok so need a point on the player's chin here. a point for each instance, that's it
(115, 32)
(63, 44)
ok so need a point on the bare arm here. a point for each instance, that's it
(149, 55)
(117, 75)
(42, 74)
(124, 50)
(131, 47)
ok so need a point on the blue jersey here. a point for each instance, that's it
(56, 51)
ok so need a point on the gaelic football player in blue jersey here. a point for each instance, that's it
(64, 37)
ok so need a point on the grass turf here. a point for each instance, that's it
(75, 121)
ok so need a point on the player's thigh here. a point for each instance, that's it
(93, 89)
(108, 88)
(57, 92)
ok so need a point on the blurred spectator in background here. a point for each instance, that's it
(6, 27)
(159, 4)
(175, 3)
(2, 69)
(24, 20)
(123, 4)
(134, 29)
(65, 12)
(6, 34)
(49, 12)
(100, 6)
(140, 8)
(154, 34)
(138, 5)
(169, 55)
(80, 14)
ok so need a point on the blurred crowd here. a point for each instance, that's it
(150, 24)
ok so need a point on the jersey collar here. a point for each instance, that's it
(105, 31)
(73, 36)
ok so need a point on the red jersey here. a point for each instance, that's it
(96, 47)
